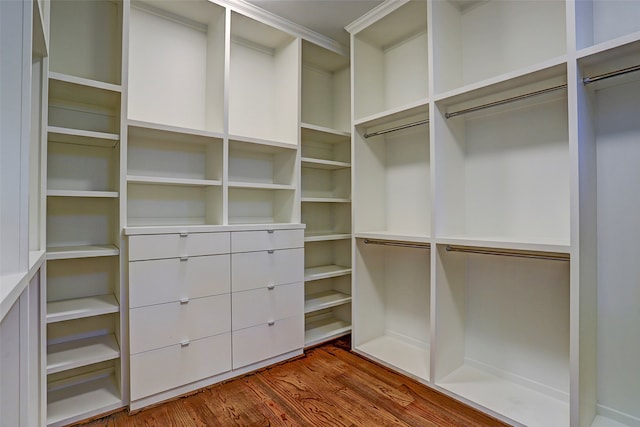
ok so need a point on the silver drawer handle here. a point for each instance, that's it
(184, 258)
(184, 301)
(271, 323)
(184, 234)
(185, 343)
(271, 251)
(271, 287)
(271, 231)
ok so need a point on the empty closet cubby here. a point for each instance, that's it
(324, 259)
(392, 178)
(504, 169)
(86, 39)
(605, 21)
(392, 306)
(325, 147)
(390, 61)
(479, 40)
(609, 288)
(326, 221)
(323, 325)
(325, 88)
(262, 206)
(182, 45)
(502, 334)
(324, 184)
(264, 81)
(256, 165)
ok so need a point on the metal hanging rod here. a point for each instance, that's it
(395, 243)
(505, 101)
(549, 256)
(605, 76)
(408, 125)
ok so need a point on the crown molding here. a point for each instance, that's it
(373, 15)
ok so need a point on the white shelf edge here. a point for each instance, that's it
(413, 108)
(89, 251)
(325, 200)
(323, 300)
(81, 193)
(261, 186)
(68, 78)
(325, 272)
(399, 353)
(311, 162)
(393, 236)
(78, 308)
(264, 142)
(187, 182)
(326, 236)
(81, 137)
(324, 129)
(512, 244)
(324, 330)
(176, 229)
(74, 354)
(608, 45)
(173, 129)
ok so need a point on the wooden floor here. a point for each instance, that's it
(330, 386)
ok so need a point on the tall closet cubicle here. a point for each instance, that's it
(493, 238)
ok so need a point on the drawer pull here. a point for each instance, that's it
(184, 301)
(184, 258)
(184, 343)
(271, 323)
(270, 251)
(271, 287)
(271, 231)
(184, 234)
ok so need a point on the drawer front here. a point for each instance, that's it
(262, 342)
(247, 241)
(160, 370)
(163, 325)
(253, 270)
(158, 246)
(259, 306)
(168, 280)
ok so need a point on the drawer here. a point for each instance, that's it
(168, 280)
(247, 241)
(158, 246)
(160, 370)
(258, 306)
(162, 325)
(253, 270)
(262, 342)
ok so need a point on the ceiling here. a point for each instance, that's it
(327, 17)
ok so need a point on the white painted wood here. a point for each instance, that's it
(261, 206)
(79, 136)
(138, 179)
(197, 360)
(263, 305)
(59, 311)
(177, 245)
(327, 324)
(325, 272)
(80, 193)
(190, 319)
(75, 221)
(261, 164)
(326, 218)
(10, 381)
(325, 299)
(165, 280)
(261, 342)
(407, 356)
(603, 21)
(84, 251)
(322, 236)
(253, 270)
(308, 162)
(248, 241)
(326, 183)
(74, 354)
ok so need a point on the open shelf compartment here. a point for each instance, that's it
(603, 22)
(261, 164)
(326, 220)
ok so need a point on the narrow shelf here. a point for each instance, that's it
(82, 397)
(67, 78)
(309, 162)
(324, 329)
(142, 128)
(600, 421)
(261, 186)
(548, 245)
(325, 130)
(77, 353)
(322, 300)
(82, 137)
(89, 251)
(266, 143)
(59, 311)
(325, 200)
(420, 107)
(322, 236)
(140, 179)
(325, 272)
(522, 404)
(394, 236)
(404, 355)
(78, 193)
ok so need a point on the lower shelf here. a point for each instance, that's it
(82, 397)
(601, 421)
(74, 354)
(324, 329)
(519, 403)
(401, 354)
(322, 300)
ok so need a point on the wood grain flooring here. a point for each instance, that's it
(329, 386)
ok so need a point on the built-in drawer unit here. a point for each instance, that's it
(252, 345)
(158, 246)
(264, 305)
(247, 241)
(253, 270)
(163, 325)
(174, 279)
(180, 364)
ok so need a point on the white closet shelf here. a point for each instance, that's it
(82, 137)
(325, 200)
(393, 236)
(187, 182)
(82, 397)
(542, 245)
(325, 272)
(321, 236)
(82, 193)
(266, 143)
(141, 128)
(77, 308)
(324, 329)
(261, 186)
(420, 107)
(406, 355)
(600, 421)
(88, 251)
(325, 130)
(522, 404)
(308, 162)
(77, 353)
(322, 300)
(84, 82)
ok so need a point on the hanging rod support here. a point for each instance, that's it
(395, 243)
(549, 256)
(505, 101)
(408, 125)
(605, 76)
